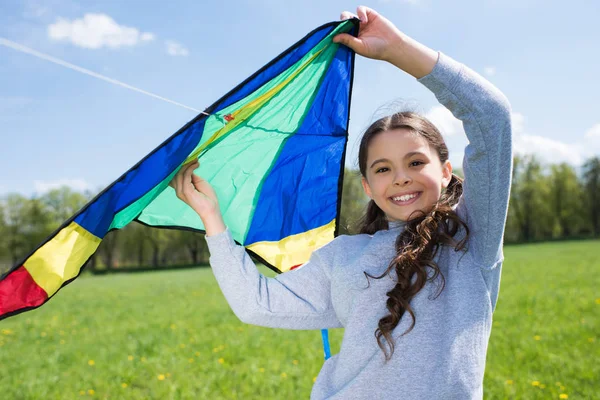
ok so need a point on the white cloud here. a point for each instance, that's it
(547, 149)
(79, 185)
(490, 71)
(443, 119)
(550, 150)
(518, 123)
(593, 132)
(95, 31)
(176, 49)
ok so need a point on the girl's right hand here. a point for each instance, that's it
(378, 38)
(199, 194)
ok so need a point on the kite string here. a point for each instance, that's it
(23, 49)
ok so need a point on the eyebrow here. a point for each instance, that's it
(408, 155)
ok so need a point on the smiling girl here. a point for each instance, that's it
(415, 291)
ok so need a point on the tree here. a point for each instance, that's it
(62, 203)
(591, 179)
(565, 198)
(26, 225)
(354, 202)
(108, 250)
(528, 199)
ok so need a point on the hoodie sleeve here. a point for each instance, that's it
(487, 164)
(298, 299)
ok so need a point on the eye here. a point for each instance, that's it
(382, 169)
(416, 163)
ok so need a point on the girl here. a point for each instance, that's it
(415, 291)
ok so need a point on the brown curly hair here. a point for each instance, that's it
(425, 231)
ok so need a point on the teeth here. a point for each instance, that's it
(406, 197)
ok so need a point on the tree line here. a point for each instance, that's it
(547, 202)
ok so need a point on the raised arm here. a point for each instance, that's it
(487, 164)
(481, 107)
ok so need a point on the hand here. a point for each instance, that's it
(199, 194)
(379, 39)
(377, 36)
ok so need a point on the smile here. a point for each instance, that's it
(405, 199)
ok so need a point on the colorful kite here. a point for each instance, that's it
(273, 148)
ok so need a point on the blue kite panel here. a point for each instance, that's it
(140, 179)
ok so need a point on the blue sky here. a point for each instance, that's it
(58, 126)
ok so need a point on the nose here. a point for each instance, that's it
(402, 179)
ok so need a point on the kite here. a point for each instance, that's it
(273, 148)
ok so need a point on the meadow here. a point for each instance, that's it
(171, 335)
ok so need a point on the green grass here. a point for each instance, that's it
(171, 335)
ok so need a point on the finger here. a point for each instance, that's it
(178, 179)
(346, 15)
(187, 177)
(362, 13)
(349, 41)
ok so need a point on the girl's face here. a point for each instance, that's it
(404, 174)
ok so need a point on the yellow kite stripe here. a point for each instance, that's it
(294, 249)
(62, 257)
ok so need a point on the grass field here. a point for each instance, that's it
(171, 335)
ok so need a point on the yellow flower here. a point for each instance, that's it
(130, 358)
(191, 360)
(91, 392)
(535, 383)
(591, 339)
(161, 377)
(295, 362)
(197, 354)
(509, 382)
(537, 337)
(598, 301)
(173, 326)
(91, 363)
(314, 379)
(221, 361)
(124, 385)
(563, 396)
(261, 370)
(283, 375)
(182, 346)
(7, 332)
